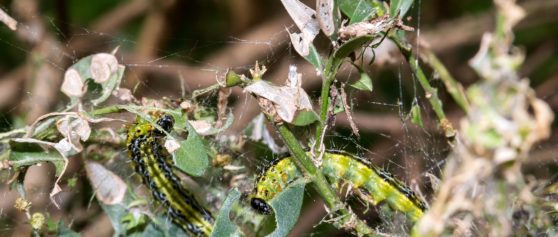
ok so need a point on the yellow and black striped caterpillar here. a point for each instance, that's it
(153, 163)
(340, 168)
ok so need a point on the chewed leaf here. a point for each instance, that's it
(287, 208)
(305, 117)
(191, 157)
(109, 187)
(223, 225)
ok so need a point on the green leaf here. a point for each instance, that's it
(364, 83)
(161, 226)
(304, 117)
(64, 231)
(135, 221)
(314, 58)
(358, 11)
(191, 157)
(399, 6)
(180, 120)
(153, 230)
(344, 50)
(23, 159)
(116, 213)
(223, 225)
(416, 118)
(287, 208)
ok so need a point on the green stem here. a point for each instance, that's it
(333, 63)
(205, 90)
(431, 92)
(454, 88)
(324, 98)
(328, 77)
(108, 110)
(130, 108)
(310, 171)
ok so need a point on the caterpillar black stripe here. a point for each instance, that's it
(339, 168)
(153, 163)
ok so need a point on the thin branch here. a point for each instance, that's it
(431, 92)
(454, 88)
(8, 20)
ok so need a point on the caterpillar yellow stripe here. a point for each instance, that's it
(340, 168)
(154, 165)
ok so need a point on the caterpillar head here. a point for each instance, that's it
(260, 206)
(166, 122)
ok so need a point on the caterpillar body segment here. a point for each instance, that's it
(153, 163)
(379, 185)
(274, 180)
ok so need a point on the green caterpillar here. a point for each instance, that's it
(154, 165)
(340, 168)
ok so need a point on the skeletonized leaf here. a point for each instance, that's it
(74, 130)
(109, 187)
(73, 85)
(102, 68)
(304, 18)
(103, 65)
(287, 100)
(324, 10)
(257, 131)
(205, 128)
